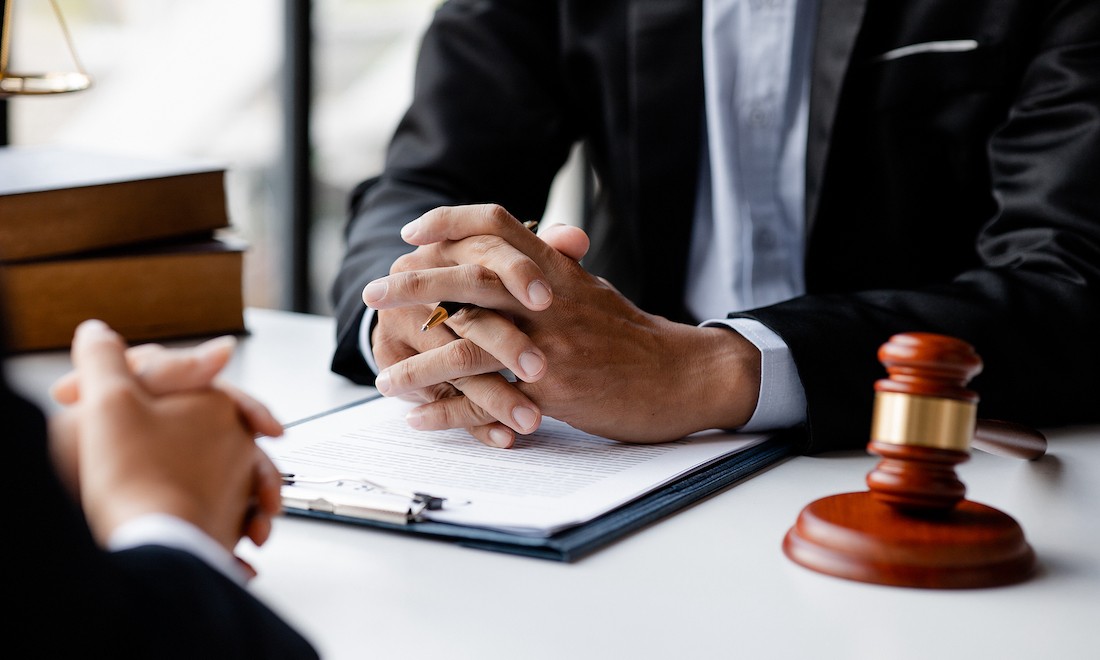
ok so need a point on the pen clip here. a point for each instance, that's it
(395, 511)
(430, 502)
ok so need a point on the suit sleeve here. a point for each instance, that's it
(1030, 304)
(71, 599)
(461, 142)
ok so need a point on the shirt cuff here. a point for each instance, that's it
(364, 339)
(782, 399)
(169, 531)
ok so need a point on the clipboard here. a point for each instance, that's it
(403, 512)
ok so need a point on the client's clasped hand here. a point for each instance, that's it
(580, 350)
(151, 430)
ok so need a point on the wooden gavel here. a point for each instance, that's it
(914, 527)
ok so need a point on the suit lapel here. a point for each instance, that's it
(839, 22)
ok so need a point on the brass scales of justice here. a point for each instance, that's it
(44, 83)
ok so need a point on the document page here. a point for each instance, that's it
(553, 479)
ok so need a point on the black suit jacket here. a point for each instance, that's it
(72, 599)
(951, 192)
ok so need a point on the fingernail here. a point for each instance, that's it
(538, 292)
(215, 346)
(375, 291)
(382, 383)
(524, 417)
(500, 438)
(409, 231)
(414, 419)
(531, 363)
(94, 325)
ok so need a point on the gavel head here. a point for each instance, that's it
(923, 421)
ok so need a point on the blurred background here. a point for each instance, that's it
(296, 98)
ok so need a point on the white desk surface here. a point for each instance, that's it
(708, 581)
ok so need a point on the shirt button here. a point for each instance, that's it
(765, 239)
(761, 114)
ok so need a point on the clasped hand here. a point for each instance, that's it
(152, 430)
(580, 351)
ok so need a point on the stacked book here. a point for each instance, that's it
(139, 243)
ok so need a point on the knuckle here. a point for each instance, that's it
(412, 283)
(437, 215)
(506, 261)
(462, 412)
(463, 355)
(401, 376)
(435, 392)
(437, 414)
(483, 245)
(502, 393)
(497, 214)
(473, 414)
(480, 278)
(514, 265)
(450, 415)
(487, 398)
(440, 391)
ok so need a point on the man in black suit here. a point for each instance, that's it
(162, 470)
(944, 177)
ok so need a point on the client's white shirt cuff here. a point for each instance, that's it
(169, 531)
(364, 339)
(782, 400)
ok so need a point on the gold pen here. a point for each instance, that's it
(445, 309)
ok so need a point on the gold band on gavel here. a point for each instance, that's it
(908, 419)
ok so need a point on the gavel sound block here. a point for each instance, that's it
(914, 527)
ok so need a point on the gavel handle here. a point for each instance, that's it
(1009, 439)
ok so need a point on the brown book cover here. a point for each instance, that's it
(62, 200)
(163, 291)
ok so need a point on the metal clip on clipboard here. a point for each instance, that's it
(377, 502)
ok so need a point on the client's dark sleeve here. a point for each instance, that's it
(69, 598)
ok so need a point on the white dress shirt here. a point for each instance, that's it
(747, 241)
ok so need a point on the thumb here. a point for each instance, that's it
(99, 356)
(567, 239)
